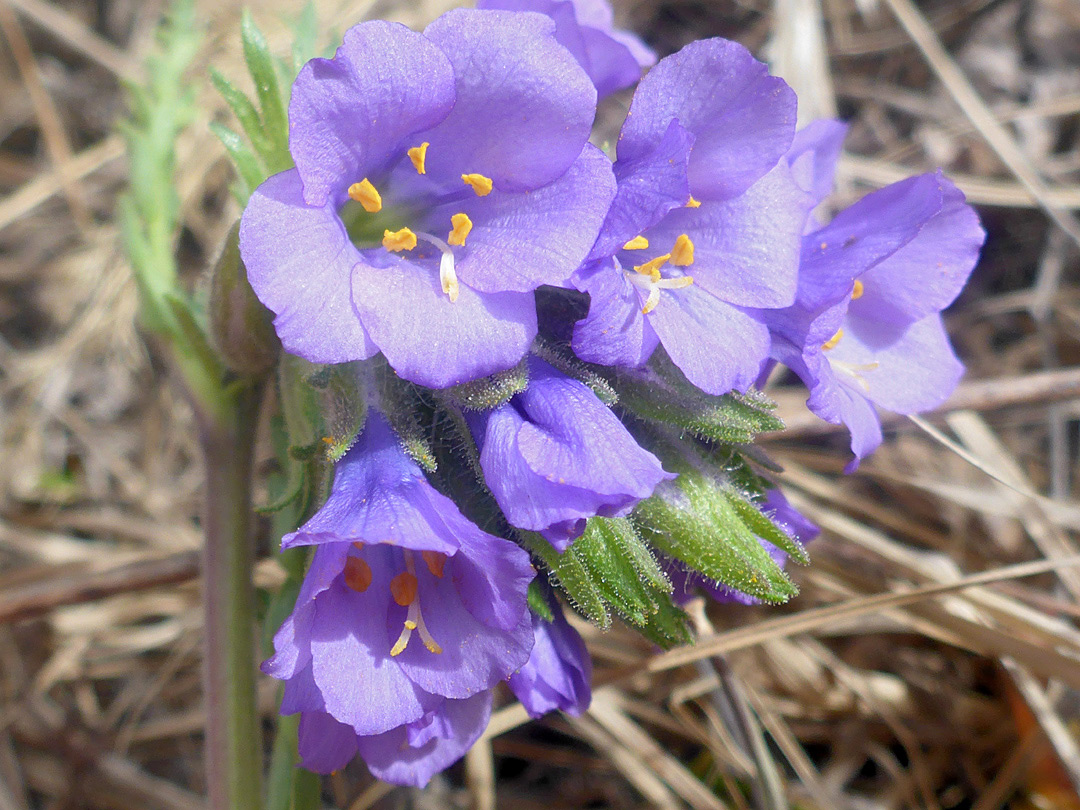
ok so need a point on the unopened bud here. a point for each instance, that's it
(240, 326)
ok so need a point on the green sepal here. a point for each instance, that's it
(669, 626)
(732, 418)
(764, 527)
(696, 520)
(489, 392)
(572, 367)
(343, 405)
(263, 73)
(569, 573)
(538, 602)
(603, 552)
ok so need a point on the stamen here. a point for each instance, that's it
(447, 276)
(857, 290)
(435, 561)
(418, 154)
(637, 243)
(831, 342)
(367, 195)
(357, 574)
(651, 301)
(692, 203)
(398, 241)
(676, 283)
(652, 267)
(480, 184)
(682, 254)
(403, 588)
(462, 226)
(414, 620)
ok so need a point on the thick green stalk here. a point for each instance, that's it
(233, 740)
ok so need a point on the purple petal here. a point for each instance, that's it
(325, 744)
(351, 115)
(520, 241)
(717, 346)
(292, 642)
(524, 106)
(390, 757)
(611, 63)
(746, 250)
(743, 118)
(927, 273)
(649, 187)
(379, 495)
(813, 157)
(299, 261)
(914, 372)
(433, 341)
(474, 656)
(841, 404)
(301, 694)
(615, 332)
(492, 578)
(350, 653)
(558, 674)
(556, 455)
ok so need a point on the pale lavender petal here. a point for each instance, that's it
(492, 578)
(746, 250)
(520, 241)
(558, 674)
(813, 156)
(390, 757)
(524, 105)
(325, 744)
(350, 652)
(351, 115)
(927, 273)
(299, 261)
(611, 64)
(615, 332)
(433, 341)
(718, 347)
(743, 118)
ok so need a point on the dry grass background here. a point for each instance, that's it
(933, 657)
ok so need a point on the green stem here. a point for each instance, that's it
(233, 744)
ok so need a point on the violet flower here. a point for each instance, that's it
(558, 674)
(705, 224)
(866, 328)
(408, 615)
(613, 58)
(440, 178)
(554, 456)
(794, 524)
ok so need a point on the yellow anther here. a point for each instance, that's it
(431, 644)
(403, 588)
(637, 243)
(678, 283)
(398, 241)
(357, 574)
(652, 267)
(480, 184)
(692, 203)
(651, 301)
(435, 561)
(462, 226)
(417, 155)
(831, 342)
(682, 254)
(367, 195)
(857, 290)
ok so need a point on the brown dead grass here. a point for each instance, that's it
(933, 658)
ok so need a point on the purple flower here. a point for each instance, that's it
(866, 328)
(408, 615)
(705, 223)
(613, 58)
(440, 178)
(555, 456)
(558, 674)
(686, 582)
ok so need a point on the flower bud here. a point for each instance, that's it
(241, 328)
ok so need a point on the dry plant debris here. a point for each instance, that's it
(933, 657)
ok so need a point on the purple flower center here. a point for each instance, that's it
(647, 276)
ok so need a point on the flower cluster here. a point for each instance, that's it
(555, 350)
